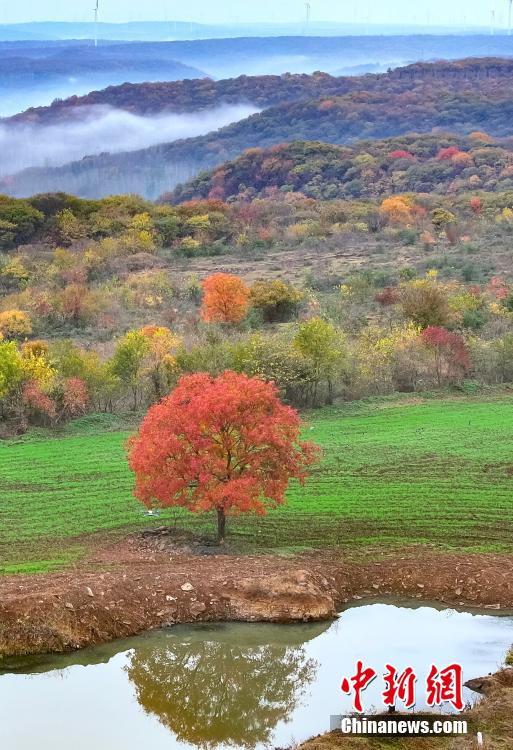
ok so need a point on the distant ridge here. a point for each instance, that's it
(196, 95)
(166, 30)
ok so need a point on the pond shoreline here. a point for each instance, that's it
(139, 584)
(492, 716)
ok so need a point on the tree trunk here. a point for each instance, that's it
(221, 525)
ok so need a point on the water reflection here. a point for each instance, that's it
(230, 686)
(218, 692)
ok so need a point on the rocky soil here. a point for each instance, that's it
(154, 580)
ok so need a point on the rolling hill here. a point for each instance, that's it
(39, 72)
(250, 54)
(420, 164)
(188, 95)
(458, 98)
(15, 71)
(151, 98)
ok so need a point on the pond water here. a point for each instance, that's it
(231, 685)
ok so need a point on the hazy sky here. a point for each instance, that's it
(476, 12)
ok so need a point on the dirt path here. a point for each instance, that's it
(145, 582)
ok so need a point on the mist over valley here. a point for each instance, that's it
(35, 71)
(422, 98)
(100, 128)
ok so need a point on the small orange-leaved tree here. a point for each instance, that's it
(226, 299)
(225, 444)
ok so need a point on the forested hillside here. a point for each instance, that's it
(423, 164)
(192, 95)
(460, 98)
(104, 304)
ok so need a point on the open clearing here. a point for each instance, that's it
(336, 258)
(394, 472)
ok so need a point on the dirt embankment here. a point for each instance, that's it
(154, 581)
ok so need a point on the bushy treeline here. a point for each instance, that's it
(98, 231)
(360, 340)
(95, 316)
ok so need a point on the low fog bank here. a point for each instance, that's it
(97, 130)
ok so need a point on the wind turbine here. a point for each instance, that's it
(309, 13)
(96, 23)
(510, 4)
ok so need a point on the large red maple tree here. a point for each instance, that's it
(226, 444)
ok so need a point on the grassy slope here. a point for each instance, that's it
(393, 472)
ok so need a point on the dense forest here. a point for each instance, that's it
(193, 95)
(420, 164)
(460, 98)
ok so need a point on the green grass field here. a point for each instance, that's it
(437, 472)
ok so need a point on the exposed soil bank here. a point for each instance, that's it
(150, 582)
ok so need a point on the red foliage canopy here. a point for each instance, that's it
(401, 154)
(226, 444)
(226, 299)
(388, 297)
(498, 288)
(476, 204)
(34, 398)
(446, 154)
(75, 397)
(452, 359)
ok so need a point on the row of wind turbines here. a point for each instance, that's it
(510, 19)
(308, 16)
(308, 8)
